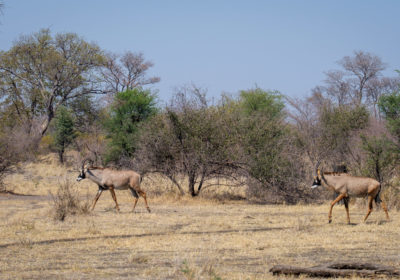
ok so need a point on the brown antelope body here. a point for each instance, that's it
(110, 179)
(347, 186)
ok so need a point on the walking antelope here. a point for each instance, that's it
(347, 186)
(109, 179)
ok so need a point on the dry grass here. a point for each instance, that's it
(67, 201)
(182, 238)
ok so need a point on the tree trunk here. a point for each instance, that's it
(45, 124)
(61, 155)
(201, 181)
(192, 182)
(176, 184)
(51, 108)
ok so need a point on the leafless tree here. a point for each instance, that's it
(361, 68)
(127, 71)
(304, 115)
(337, 87)
(92, 143)
(353, 85)
(325, 130)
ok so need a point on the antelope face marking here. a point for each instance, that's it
(316, 183)
(81, 176)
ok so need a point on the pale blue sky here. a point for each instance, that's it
(224, 46)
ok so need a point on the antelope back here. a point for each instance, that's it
(353, 186)
(119, 179)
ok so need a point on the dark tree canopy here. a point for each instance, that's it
(128, 111)
(64, 131)
(389, 105)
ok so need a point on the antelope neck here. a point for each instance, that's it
(324, 180)
(91, 174)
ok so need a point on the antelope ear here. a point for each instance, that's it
(318, 172)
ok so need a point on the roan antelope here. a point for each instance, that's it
(109, 179)
(347, 186)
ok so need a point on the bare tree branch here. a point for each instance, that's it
(127, 71)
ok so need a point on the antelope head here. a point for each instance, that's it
(317, 177)
(84, 168)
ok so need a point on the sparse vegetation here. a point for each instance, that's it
(68, 202)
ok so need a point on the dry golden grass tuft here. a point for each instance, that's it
(182, 238)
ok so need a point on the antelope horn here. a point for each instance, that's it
(317, 166)
(86, 160)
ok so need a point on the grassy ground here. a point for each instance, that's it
(181, 239)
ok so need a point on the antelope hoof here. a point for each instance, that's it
(148, 209)
(330, 221)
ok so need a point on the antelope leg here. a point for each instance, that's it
(346, 205)
(386, 210)
(134, 193)
(370, 199)
(143, 194)
(333, 203)
(97, 197)
(115, 198)
(134, 204)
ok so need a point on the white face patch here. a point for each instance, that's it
(316, 183)
(81, 176)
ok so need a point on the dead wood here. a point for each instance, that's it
(337, 270)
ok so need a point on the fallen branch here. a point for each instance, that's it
(337, 270)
